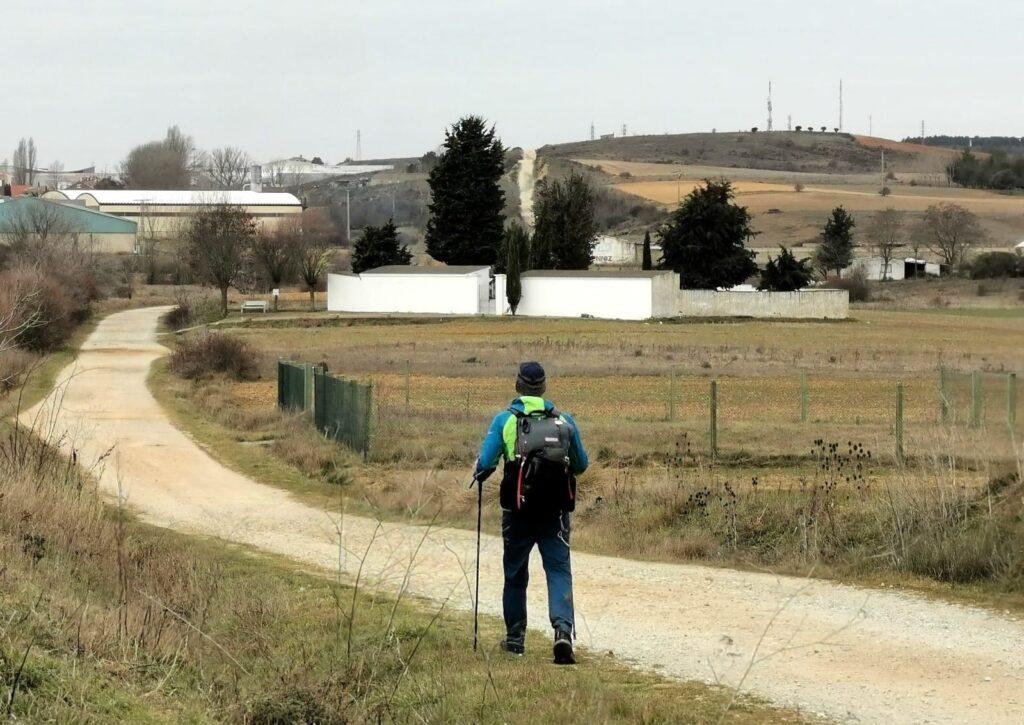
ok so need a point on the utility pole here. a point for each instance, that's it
(883, 164)
(592, 137)
(871, 131)
(359, 145)
(348, 217)
(769, 106)
(922, 132)
(623, 130)
(840, 104)
(789, 122)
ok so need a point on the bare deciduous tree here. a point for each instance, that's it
(884, 233)
(228, 167)
(220, 238)
(56, 171)
(312, 258)
(276, 252)
(25, 162)
(166, 164)
(950, 231)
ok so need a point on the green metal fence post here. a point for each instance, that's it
(366, 420)
(943, 395)
(899, 422)
(713, 420)
(977, 399)
(803, 397)
(1011, 401)
(309, 392)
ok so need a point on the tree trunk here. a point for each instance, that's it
(224, 301)
(312, 298)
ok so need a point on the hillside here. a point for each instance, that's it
(789, 151)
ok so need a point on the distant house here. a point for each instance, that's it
(29, 217)
(875, 268)
(1019, 247)
(618, 252)
(162, 213)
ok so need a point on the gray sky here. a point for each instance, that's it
(91, 78)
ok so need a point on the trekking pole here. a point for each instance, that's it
(476, 594)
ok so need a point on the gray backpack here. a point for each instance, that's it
(539, 479)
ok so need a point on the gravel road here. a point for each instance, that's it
(847, 653)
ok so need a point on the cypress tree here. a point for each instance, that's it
(836, 248)
(647, 263)
(378, 247)
(565, 230)
(466, 221)
(704, 239)
(514, 246)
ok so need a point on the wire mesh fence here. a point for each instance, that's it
(440, 418)
(340, 409)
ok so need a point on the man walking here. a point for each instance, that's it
(543, 454)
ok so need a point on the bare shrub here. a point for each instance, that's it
(798, 187)
(856, 284)
(40, 308)
(14, 363)
(211, 353)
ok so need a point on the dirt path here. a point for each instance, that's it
(847, 653)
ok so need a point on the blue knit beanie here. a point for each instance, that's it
(530, 380)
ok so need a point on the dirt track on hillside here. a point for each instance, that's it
(848, 653)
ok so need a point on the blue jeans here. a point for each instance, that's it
(551, 535)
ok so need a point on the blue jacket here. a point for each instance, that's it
(497, 443)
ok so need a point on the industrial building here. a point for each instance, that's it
(163, 213)
(34, 218)
(876, 269)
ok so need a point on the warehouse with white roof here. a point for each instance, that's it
(161, 213)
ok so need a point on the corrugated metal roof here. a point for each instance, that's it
(79, 218)
(614, 273)
(115, 197)
(403, 269)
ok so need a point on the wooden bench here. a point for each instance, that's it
(255, 306)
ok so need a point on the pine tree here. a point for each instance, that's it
(647, 263)
(785, 273)
(466, 222)
(836, 248)
(564, 230)
(704, 239)
(515, 239)
(378, 247)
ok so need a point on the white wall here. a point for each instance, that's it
(872, 268)
(405, 293)
(806, 304)
(615, 298)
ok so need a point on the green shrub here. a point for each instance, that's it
(993, 265)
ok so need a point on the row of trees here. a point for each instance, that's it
(997, 171)
(25, 161)
(224, 245)
(175, 161)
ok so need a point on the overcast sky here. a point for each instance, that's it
(91, 78)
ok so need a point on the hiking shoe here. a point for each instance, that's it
(512, 647)
(563, 649)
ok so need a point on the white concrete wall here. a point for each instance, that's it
(872, 268)
(614, 298)
(405, 293)
(665, 290)
(807, 304)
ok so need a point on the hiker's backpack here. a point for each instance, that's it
(538, 478)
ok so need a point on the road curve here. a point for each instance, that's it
(849, 654)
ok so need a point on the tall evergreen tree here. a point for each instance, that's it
(466, 222)
(785, 273)
(378, 247)
(704, 239)
(564, 227)
(836, 248)
(516, 246)
(647, 262)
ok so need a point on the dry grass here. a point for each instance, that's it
(106, 620)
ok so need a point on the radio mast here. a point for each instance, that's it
(769, 105)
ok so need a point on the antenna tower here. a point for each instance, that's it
(359, 145)
(592, 131)
(769, 105)
(840, 104)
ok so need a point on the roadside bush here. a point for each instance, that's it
(210, 353)
(857, 285)
(38, 308)
(14, 363)
(798, 187)
(994, 265)
(884, 191)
